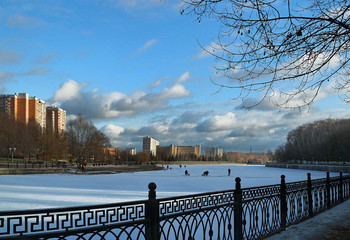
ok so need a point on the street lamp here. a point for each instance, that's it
(12, 150)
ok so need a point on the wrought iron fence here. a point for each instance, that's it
(248, 213)
(37, 165)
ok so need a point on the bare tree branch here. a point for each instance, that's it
(282, 50)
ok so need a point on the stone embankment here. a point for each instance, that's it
(327, 168)
(13, 171)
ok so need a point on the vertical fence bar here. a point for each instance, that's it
(238, 211)
(283, 198)
(340, 191)
(152, 214)
(309, 193)
(328, 189)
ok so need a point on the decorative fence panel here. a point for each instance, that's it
(249, 213)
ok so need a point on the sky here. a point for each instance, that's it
(136, 68)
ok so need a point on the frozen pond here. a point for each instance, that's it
(19, 192)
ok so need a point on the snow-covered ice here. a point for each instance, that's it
(19, 192)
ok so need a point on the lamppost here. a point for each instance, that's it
(12, 150)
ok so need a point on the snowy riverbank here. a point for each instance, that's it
(20, 192)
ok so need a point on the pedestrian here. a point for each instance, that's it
(186, 173)
(229, 172)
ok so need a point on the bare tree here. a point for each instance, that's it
(281, 49)
(84, 140)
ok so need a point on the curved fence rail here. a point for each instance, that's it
(249, 213)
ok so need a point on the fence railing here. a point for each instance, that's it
(248, 213)
(37, 165)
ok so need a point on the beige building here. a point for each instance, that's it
(213, 152)
(56, 119)
(180, 150)
(131, 151)
(186, 150)
(150, 145)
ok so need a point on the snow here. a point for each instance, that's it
(327, 225)
(19, 192)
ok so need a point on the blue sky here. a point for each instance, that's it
(135, 68)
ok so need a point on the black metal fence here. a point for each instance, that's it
(37, 165)
(248, 213)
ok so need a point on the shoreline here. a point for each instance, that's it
(204, 163)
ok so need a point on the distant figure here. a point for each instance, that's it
(186, 173)
(229, 172)
(205, 173)
(180, 166)
(167, 167)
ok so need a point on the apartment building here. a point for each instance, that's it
(23, 108)
(56, 119)
(187, 150)
(131, 151)
(213, 152)
(8, 105)
(180, 150)
(150, 145)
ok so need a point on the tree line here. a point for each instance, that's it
(81, 142)
(325, 140)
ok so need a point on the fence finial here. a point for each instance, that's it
(152, 190)
(238, 183)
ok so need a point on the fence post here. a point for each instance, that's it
(152, 214)
(341, 187)
(328, 189)
(283, 198)
(238, 210)
(309, 193)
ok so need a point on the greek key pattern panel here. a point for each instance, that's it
(261, 217)
(56, 220)
(135, 231)
(260, 192)
(194, 202)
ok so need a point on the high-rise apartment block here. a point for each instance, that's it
(56, 119)
(213, 152)
(150, 145)
(23, 108)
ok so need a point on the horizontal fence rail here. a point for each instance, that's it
(248, 213)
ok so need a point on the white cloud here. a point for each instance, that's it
(112, 131)
(184, 77)
(176, 91)
(9, 57)
(147, 45)
(212, 49)
(133, 4)
(68, 91)
(218, 123)
(93, 105)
